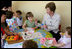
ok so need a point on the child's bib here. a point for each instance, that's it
(12, 23)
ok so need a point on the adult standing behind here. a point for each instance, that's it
(51, 20)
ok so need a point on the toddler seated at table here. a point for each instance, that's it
(19, 18)
(65, 40)
(11, 22)
(29, 44)
(29, 22)
(4, 26)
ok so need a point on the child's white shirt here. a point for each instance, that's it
(66, 41)
(19, 21)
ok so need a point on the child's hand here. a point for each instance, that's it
(4, 36)
(34, 28)
(15, 33)
(51, 44)
(36, 21)
(25, 30)
(61, 34)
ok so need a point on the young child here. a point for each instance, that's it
(4, 30)
(30, 44)
(29, 22)
(65, 41)
(19, 18)
(11, 21)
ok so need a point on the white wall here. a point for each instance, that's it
(38, 9)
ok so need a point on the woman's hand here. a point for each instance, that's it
(45, 26)
(59, 44)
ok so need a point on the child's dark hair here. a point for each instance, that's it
(38, 21)
(9, 14)
(18, 11)
(69, 30)
(2, 12)
(30, 44)
(29, 14)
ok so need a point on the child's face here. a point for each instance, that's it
(18, 14)
(30, 18)
(3, 18)
(66, 34)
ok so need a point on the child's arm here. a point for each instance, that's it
(24, 27)
(36, 22)
(7, 30)
(4, 36)
(59, 45)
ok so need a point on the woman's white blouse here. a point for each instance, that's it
(52, 22)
